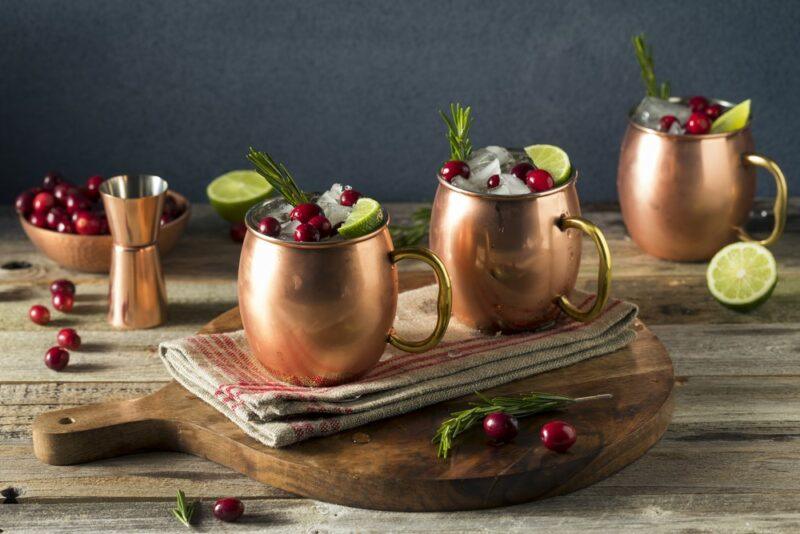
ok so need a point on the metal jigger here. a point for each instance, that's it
(137, 297)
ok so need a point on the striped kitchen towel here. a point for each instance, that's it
(221, 370)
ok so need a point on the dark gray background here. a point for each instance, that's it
(348, 91)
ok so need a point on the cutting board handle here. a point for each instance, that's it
(97, 431)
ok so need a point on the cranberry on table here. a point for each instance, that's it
(75, 202)
(68, 338)
(51, 180)
(93, 186)
(43, 201)
(698, 123)
(500, 426)
(698, 103)
(24, 203)
(63, 302)
(539, 180)
(521, 170)
(61, 191)
(349, 197)
(558, 435)
(65, 227)
(38, 219)
(39, 314)
(304, 212)
(87, 223)
(454, 168)
(666, 122)
(238, 231)
(55, 216)
(493, 181)
(56, 358)
(269, 226)
(713, 111)
(322, 224)
(228, 509)
(62, 285)
(305, 233)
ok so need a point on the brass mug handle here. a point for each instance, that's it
(445, 299)
(781, 199)
(603, 272)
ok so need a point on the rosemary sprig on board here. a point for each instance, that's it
(520, 406)
(278, 177)
(183, 510)
(411, 234)
(644, 55)
(458, 125)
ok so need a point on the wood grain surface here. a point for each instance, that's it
(728, 461)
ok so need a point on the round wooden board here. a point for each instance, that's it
(398, 469)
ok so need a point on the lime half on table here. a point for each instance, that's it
(742, 275)
(552, 159)
(233, 193)
(366, 217)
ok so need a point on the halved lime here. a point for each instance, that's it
(552, 159)
(233, 193)
(733, 119)
(742, 275)
(367, 216)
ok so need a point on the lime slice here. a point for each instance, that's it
(552, 159)
(233, 193)
(733, 119)
(742, 275)
(366, 217)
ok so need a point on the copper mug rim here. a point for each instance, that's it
(249, 221)
(507, 198)
(688, 137)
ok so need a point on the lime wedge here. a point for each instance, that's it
(233, 193)
(366, 217)
(733, 119)
(742, 275)
(552, 159)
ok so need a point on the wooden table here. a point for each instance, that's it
(730, 461)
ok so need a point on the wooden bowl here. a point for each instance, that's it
(92, 253)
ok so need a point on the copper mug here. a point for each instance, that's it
(514, 259)
(684, 197)
(319, 314)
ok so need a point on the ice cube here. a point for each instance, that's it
(676, 129)
(329, 202)
(483, 164)
(466, 185)
(287, 230)
(650, 110)
(503, 155)
(514, 185)
(501, 189)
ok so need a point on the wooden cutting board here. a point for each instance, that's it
(391, 464)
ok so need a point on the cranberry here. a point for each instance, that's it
(51, 180)
(304, 212)
(93, 187)
(65, 227)
(323, 226)
(493, 181)
(62, 285)
(500, 426)
(666, 122)
(55, 216)
(454, 168)
(43, 202)
(39, 314)
(228, 509)
(698, 103)
(713, 111)
(171, 207)
(238, 231)
(75, 202)
(521, 170)
(38, 219)
(24, 203)
(558, 435)
(63, 190)
(68, 338)
(166, 218)
(539, 180)
(87, 223)
(104, 228)
(269, 226)
(349, 197)
(698, 123)
(63, 302)
(56, 358)
(306, 233)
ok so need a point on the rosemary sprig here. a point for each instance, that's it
(644, 54)
(411, 234)
(183, 511)
(520, 406)
(278, 177)
(458, 131)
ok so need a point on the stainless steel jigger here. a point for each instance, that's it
(137, 297)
